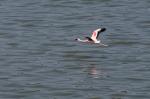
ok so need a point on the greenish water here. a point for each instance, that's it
(39, 58)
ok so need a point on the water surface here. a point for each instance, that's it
(39, 58)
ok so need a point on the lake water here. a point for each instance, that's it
(39, 58)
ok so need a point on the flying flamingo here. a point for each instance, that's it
(93, 38)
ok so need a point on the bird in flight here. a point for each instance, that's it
(94, 37)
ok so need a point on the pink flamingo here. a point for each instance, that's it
(93, 38)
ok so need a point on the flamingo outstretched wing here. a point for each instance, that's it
(96, 33)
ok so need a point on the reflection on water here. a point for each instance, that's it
(96, 73)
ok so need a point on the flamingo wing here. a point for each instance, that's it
(96, 33)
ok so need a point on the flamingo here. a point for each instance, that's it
(94, 37)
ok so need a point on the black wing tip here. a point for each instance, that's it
(103, 29)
